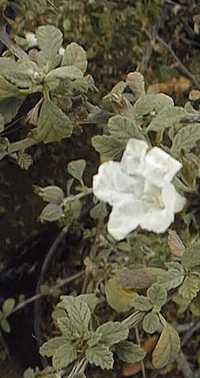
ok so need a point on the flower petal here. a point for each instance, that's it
(133, 157)
(158, 219)
(124, 218)
(112, 185)
(160, 167)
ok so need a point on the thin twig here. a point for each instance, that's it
(62, 283)
(181, 65)
(12, 47)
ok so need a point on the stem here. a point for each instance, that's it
(78, 368)
(78, 196)
(40, 295)
(21, 145)
(133, 319)
(14, 49)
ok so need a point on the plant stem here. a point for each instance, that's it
(78, 196)
(133, 319)
(38, 296)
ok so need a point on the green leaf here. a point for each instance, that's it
(112, 333)
(23, 74)
(76, 169)
(29, 373)
(51, 194)
(7, 90)
(190, 288)
(50, 347)
(167, 118)
(49, 38)
(53, 125)
(157, 295)
(75, 55)
(142, 303)
(77, 311)
(5, 325)
(186, 138)
(151, 322)
(100, 355)
(129, 352)
(99, 211)
(64, 355)
(8, 306)
(51, 213)
(122, 127)
(150, 103)
(62, 73)
(167, 347)
(91, 300)
(121, 300)
(108, 146)
(173, 277)
(191, 256)
(9, 107)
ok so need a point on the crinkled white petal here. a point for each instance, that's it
(160, 167)
(112, 185)
(133, 157)
(158, 219)
(125, 217)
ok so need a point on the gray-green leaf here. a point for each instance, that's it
(151, 322)
(75, 55)
(109, 147)
(157, 295)
(123, 127)
(142, 303)
(186, 138)
(76, 169)
(50, 347)
(64, 355)
(100, 355)
(112, 333)
(54, 125)
(129, 352)
(49, 38)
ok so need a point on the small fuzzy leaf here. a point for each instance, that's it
(167, 347)
(8, 306)
(99, 211)
(77, 311)
(191, 256)
(5, 325)
(49, 38)
(173, 277)
(101, 356)
(142, 303)
(51, 213)
(76, 169)
(129, 352)
(157, 295)
(109, 147)
(122, 127)
(9, 107)
(150, 103)
(121, 300)
(112, 333)
(75, 55)
(65, 72)
(54, 125)
(63, 356)
(190, 288)
(186, 138)
(51, 193)
(8, 90)
(151, 322)
(167, 118)
(50, 347)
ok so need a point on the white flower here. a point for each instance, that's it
(31, 39)
(139, 189)
(61, 51)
